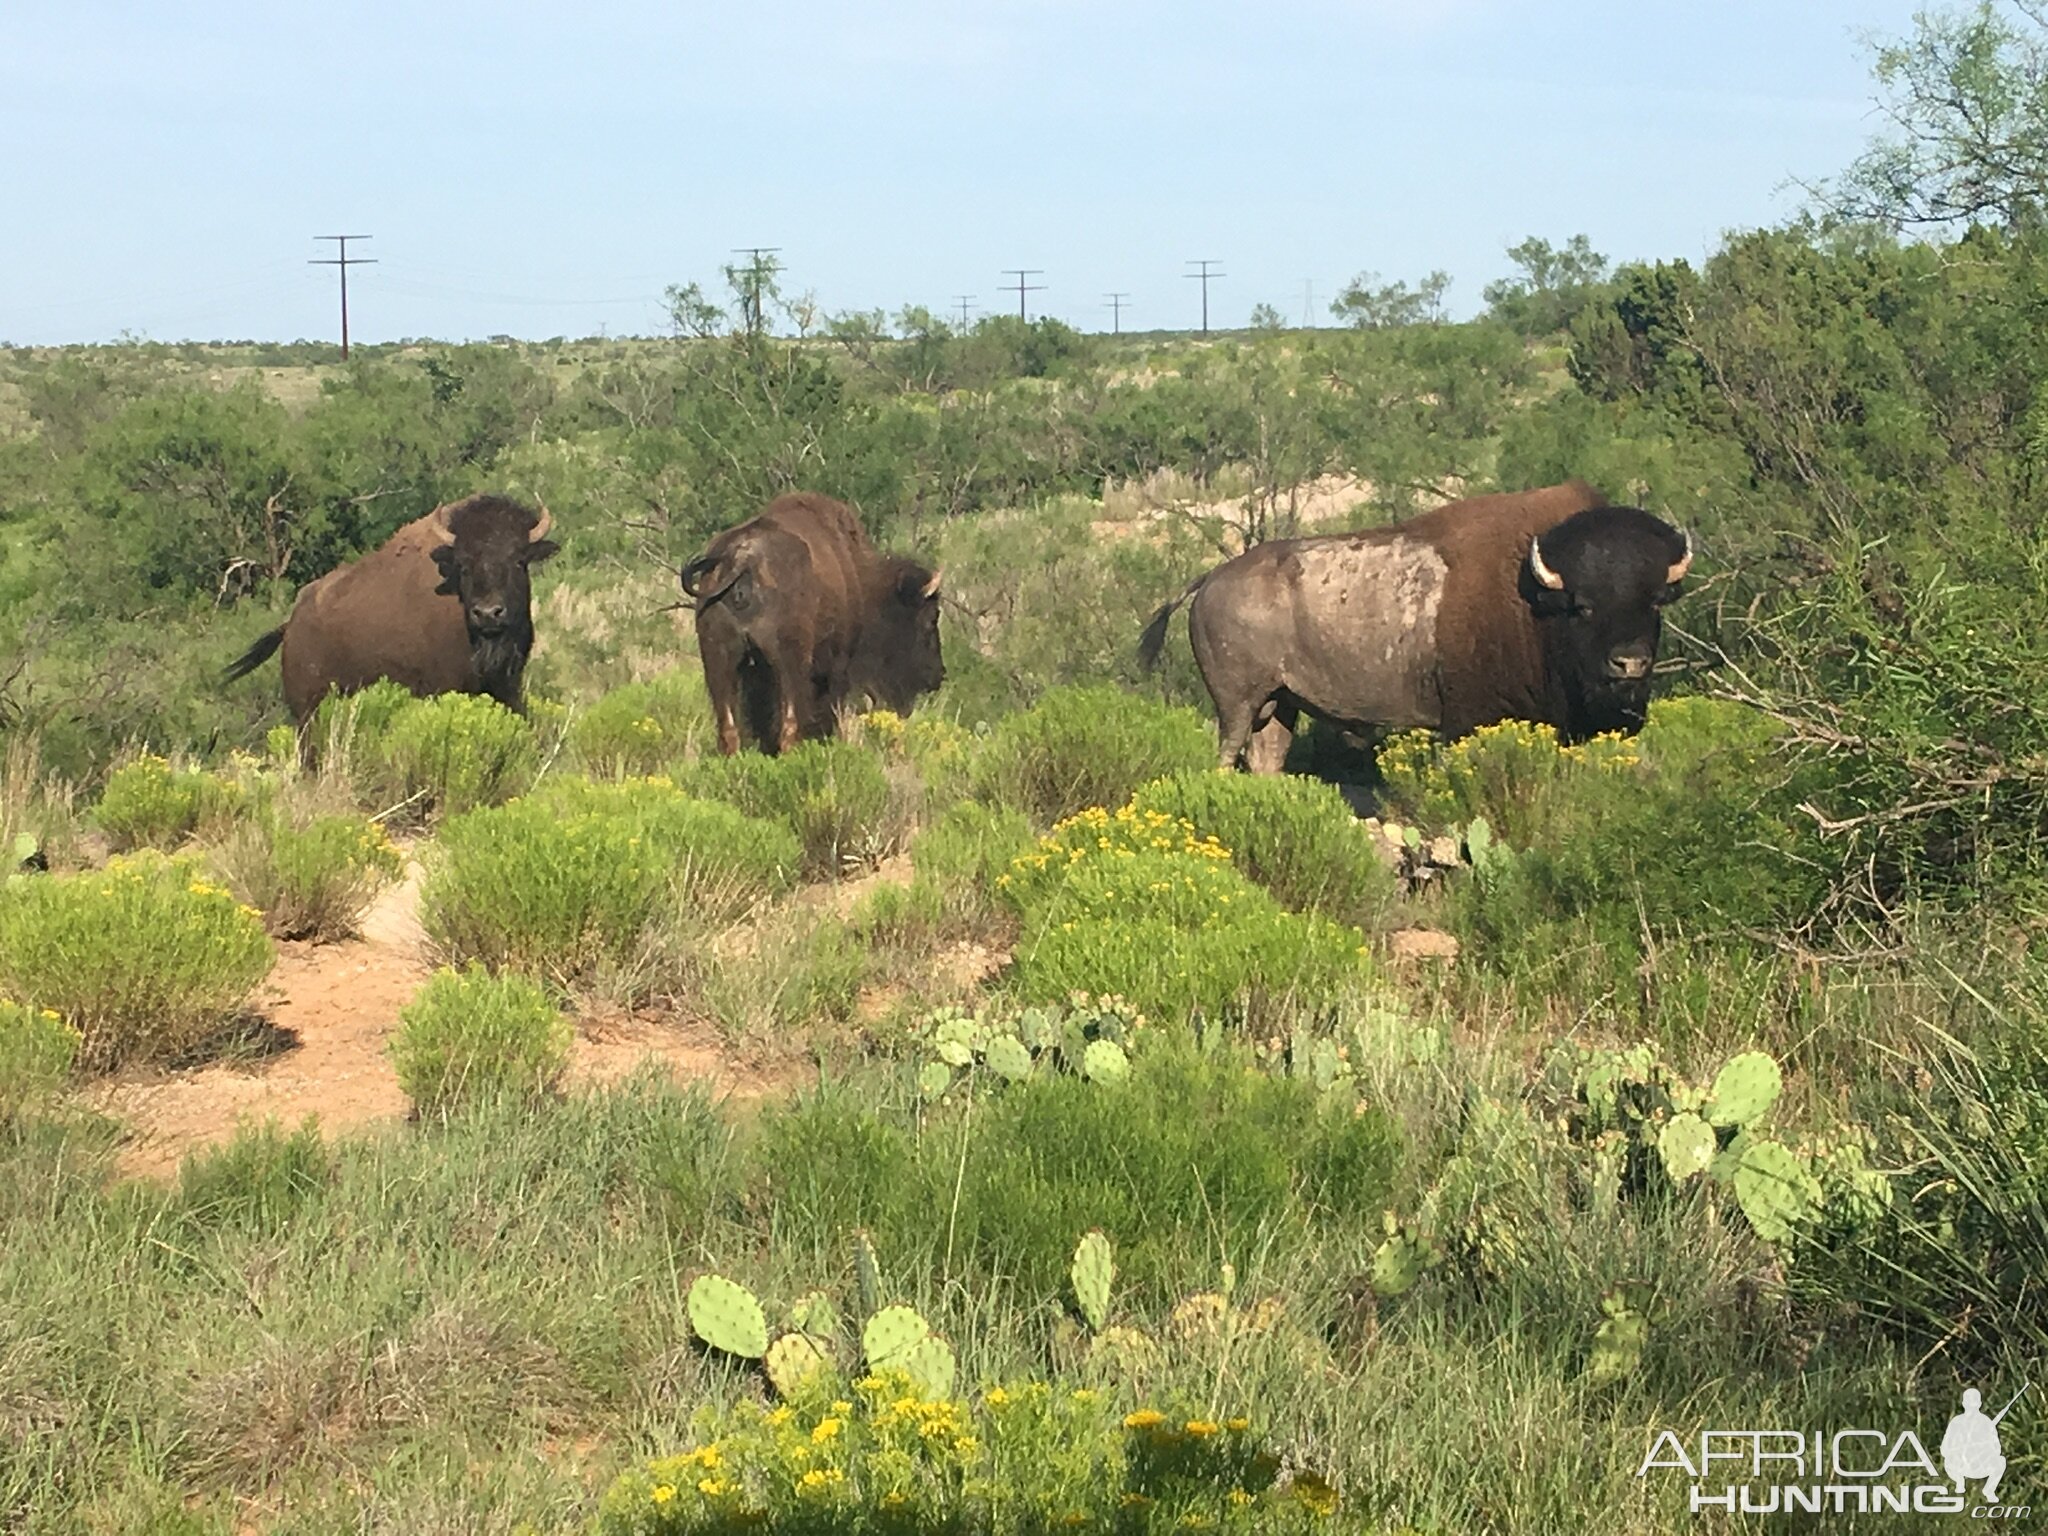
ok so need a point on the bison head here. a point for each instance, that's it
(899, 654)
(483, 550)
(1597, 584)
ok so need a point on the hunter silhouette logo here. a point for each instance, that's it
(1845, 1470)
(1970, 1449)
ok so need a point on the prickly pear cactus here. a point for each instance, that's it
(1744, 1090)
(1687, 1145)
(890, 1336)
(1774, 1189)
(930, 1367)
(726, 1316)
(815, 1315)
(1094, 1270)
(1008, 1058)
(867, 1272)
(1104, 1061)
(793, 1362)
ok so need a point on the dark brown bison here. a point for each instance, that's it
(1534, 605)
(797, 612)
(442, 606)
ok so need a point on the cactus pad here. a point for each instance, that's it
(1105, 1062)
(1746, 1087)
(1008, 1059)
(1094, 1269)
(815, 1315)
(930, 1367)
(1687, 1146)
(1774, 1189)
(1201, 1315)
(726, 1316)
(793, 1362)
(890, 1336)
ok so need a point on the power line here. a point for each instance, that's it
(1020, 273)
(966, 302)
(344, 261)
(757, 271)
(1116, 311)
(1205, 274)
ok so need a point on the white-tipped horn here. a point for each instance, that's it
(1677, 572)
(541, 525)
(931, 588)
(1540, 571)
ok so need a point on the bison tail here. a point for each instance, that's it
(693, 576)
(1154, 637)
(255, 656)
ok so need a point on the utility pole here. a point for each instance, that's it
(756, 270)
(965, 301)
(1020, 273)
(1116, 312)
(1205, 274)
(344, 261)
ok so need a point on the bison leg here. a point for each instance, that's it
(1272, 736)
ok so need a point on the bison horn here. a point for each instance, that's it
(541, 525)
(931, 588)
(1540, 571)
(1684, 562)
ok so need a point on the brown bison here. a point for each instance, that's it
(797, 611)
(1535, 605)
(442, 606)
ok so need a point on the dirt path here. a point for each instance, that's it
(333, 1008)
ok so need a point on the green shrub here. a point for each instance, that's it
(1087, 746)
(1138, 904)
(468, 1035)
(1295, 836)
(149, 804)
(455, 752)
(256, 1182)
(832, 794)
(37, 1049)
(347, 731)
(642, 727)
(1027, 1458)
(580, 875)
(312, 881)
(144, 958)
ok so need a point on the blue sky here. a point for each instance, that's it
(548, 169)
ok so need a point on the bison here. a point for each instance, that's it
(1536, 605)
(797, 611)
(442, 606)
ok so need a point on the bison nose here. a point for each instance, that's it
(1628, 666)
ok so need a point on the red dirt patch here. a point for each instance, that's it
(335, 1007)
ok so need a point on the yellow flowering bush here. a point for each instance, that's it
(310, 881)
(144, 958)
(149, 804)
(641, 727)
(1024, 1457)
(37, 1049)
(1138, 902)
